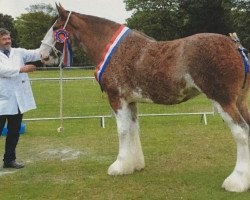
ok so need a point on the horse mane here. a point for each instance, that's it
(93, 19)
(96, 20)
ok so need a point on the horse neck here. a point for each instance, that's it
(93, 34)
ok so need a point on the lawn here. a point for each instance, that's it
(185, 159)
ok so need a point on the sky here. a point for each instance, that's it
(110, 9)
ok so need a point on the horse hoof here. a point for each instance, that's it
(237, 182)
(120, 168)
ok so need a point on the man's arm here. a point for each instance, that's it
(27, 68)
(31, 55)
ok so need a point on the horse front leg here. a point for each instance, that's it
(130, 156)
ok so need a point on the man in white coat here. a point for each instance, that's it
(16, 96)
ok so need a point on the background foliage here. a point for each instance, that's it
(6, 21)
(171, 19)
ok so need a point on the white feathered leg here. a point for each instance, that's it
(130, 157)
(239, 180)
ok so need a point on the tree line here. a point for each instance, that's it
(160, 19)
(171, 19)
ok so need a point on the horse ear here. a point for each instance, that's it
(61, 11)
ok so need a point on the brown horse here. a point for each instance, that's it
(163, 72)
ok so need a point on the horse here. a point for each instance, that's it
(141, 69)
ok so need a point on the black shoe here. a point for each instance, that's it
(13, 164)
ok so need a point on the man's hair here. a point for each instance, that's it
(4, 32)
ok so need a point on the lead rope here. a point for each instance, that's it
(61, 128)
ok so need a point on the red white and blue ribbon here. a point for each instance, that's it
(109, 50)
(61, 36)
(68, 54)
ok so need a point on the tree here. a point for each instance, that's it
(241, 20)
(6, 21)
(165, 19)
(206, 16)
(42, 7)
(32, 26)
(80, 58)
(158, 19)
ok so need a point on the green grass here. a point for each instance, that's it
(184, 158)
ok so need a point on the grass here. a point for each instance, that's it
(184, 158)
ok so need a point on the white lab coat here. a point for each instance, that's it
(15, 89)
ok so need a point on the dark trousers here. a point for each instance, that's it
(14, 124)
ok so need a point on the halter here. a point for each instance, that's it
(55, 50)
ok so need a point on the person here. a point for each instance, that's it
(16, 96)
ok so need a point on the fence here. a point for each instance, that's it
(82, 99)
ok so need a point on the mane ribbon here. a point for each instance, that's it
(110, 50)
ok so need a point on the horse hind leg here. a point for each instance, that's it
(243, 107)
(239, 180)
(130, 156)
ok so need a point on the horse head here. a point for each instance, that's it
(52, 46)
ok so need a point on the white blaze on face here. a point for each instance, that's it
(46, 47)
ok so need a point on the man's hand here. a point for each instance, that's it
(27, 68)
